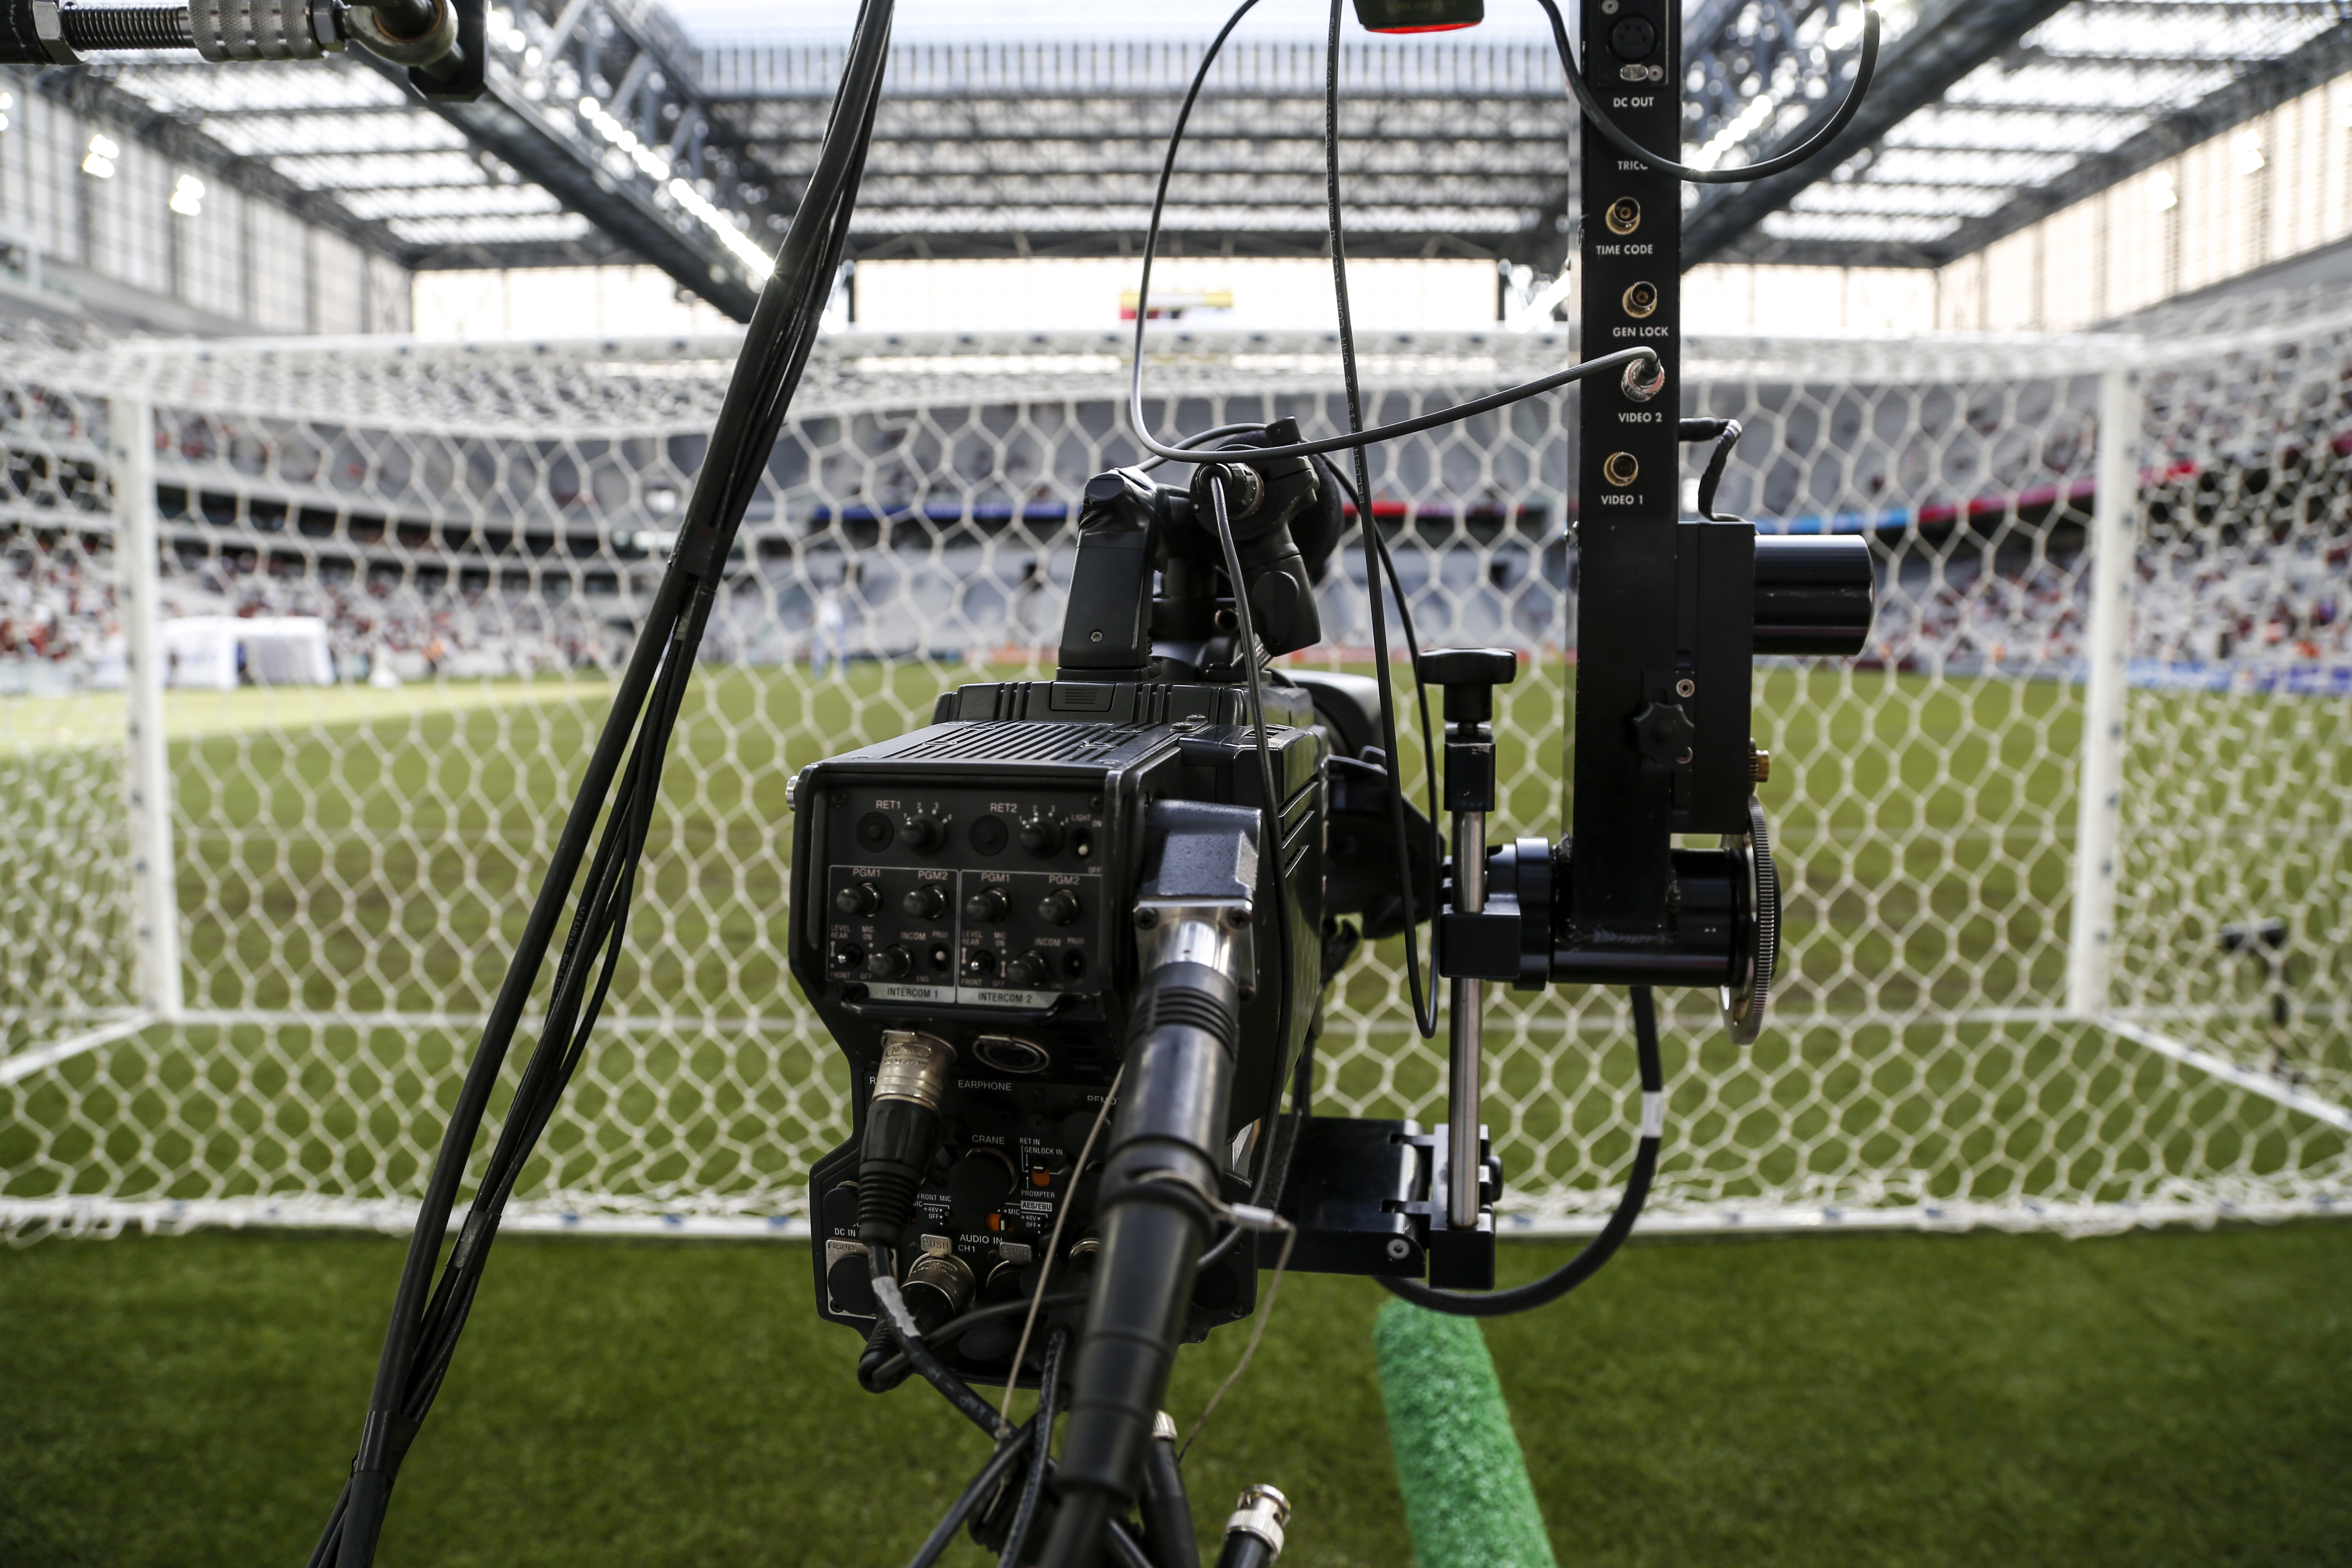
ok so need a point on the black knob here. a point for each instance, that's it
(979, 963)
(924, 833)
(1664, 732)
(924, 903)
(1469, 676)
(1040, 838)
(857, 898)
(1029, 969)
(848, 956)
(1058, 908)
(986, 907)
(841, 1205)
(977, 1186)
(850, 1283)
(891, 962)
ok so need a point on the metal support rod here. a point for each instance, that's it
(2098, 788)
(155, 899)
(1464, 1064)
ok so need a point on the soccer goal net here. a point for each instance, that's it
(303, 645)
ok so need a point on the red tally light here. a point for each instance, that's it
(1419, 16)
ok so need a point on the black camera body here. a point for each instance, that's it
(975, 882)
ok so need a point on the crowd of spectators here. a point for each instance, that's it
(2244, 603)
(2256, 603)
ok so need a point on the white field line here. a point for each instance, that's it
(24, 1064)
(2230, 1073)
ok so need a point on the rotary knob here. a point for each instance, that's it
(857, 898)
(986, 907)
(1040, 838)
(924, 833)
(978, 1185)
(1664, 731)
(1058, 908)
(891, 962)
(1028, 968)
(924, 903)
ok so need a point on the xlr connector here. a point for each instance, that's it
(902, 1128)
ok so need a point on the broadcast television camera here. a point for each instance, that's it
(980, 907)
(1074, 936)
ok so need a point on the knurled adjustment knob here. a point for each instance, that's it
(857, 898)
(1029, 969)
(924, 903)
(1058, 908)
(1040, 838)
(892, 962)
(986, 907)
(1664, 732)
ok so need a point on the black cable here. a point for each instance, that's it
(421, 1336)
(1601, 1247)
(1864, 69)
(1423, 995)
(1725, 434)
(1370, 531)
(887, 1374)
(983, 1485)
(1303, 449)
(1270, 800)
(1032, 1486)
(1166, 1511)
(1200, 438)
(892, 1307)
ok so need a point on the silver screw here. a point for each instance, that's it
(1400, 1248)
(1686, 688)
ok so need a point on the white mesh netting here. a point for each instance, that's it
(395, 580)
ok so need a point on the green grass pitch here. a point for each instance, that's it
(1981, 1401)
(2155, 1398)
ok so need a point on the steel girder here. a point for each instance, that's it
(995, 151)
(1948, 39)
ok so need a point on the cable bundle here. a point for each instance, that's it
(423, 1335)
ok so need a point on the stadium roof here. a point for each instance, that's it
(1987, 115)
(608, 134)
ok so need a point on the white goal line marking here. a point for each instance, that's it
(26, 1063)
(2230, 1073)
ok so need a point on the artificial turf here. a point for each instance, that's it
(2164, 1397)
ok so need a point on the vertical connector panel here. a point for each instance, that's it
(1629, 469)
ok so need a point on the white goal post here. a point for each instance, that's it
(2068, 854)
